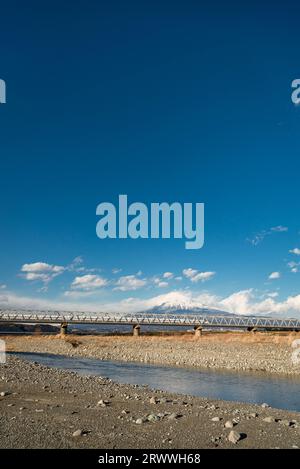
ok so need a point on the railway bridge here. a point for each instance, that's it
(206, 318)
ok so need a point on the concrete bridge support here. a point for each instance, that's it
(198, 331)
(64, 328)
(136, 330)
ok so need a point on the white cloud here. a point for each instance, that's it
(273, 294)
(162, 284)
(168, 275)
(196, 276)
(41, 267)
(41, 271)
(116, 271)
(242, 302)
(77, 261)
(295, 251)
(274, 275)
(294, 266)
(130, 282)
(189, 273)
(260, 236)
(279, 228)
(88, 282)
(203, 276)
(3, 286)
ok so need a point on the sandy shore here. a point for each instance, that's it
(42, 407)
(232, 351)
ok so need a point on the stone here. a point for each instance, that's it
(253, 415)
(269, 419)
(229, 424)
(139, 421)
(78, 433)
(174, 416)
(153, 400)
(215, 419)
(286, 423)
(234, 437)
(265, 405)
(4, 393)
(102, 403)
(152, 418)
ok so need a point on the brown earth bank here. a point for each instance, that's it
(239, 351)
(43, 407)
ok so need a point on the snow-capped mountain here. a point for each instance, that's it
(187, 307)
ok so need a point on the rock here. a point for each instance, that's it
(269, 419)
(286, 423)
(4, 393)
(234, 436)
(265, 405)
(215, 419)
(164, 400)
(78, 433)
(139, 421)
(229, 424)
(153, 418)
(174, 416)
(153, 400)
(102, 403)
(253, 415)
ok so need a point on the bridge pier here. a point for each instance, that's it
(198, 331)
(136, 330)
(63, 328)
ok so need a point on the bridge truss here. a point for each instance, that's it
(162, 319)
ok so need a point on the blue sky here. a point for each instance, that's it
(187, 103)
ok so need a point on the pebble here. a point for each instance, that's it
(139, 421)
(153, 400)
(234, 436)
(215, 419)
(153, 418)
(229, 424)
(102, 403)
(78, 433)
(269, 419)
(174, 416)
(286, 423)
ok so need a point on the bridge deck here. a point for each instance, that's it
(167, 319)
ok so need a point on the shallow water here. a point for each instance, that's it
(278, 391)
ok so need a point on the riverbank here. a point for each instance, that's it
(239, 351)
(41, 407)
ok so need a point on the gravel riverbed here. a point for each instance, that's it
(235, 351)
(43, 407)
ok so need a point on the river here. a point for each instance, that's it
(281, 392)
